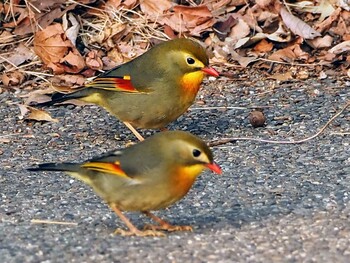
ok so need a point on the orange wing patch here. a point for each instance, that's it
(110, 168)
(113, 83)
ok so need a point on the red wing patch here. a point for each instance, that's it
(113, 83)
(109, 168)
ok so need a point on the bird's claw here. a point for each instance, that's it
(167, 227)
(139, 233)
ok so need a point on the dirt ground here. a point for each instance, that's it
(273, 202)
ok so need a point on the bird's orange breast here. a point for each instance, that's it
(183, 179)
(191, 82)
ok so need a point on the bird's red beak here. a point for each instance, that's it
(210, 71)
(214, 167)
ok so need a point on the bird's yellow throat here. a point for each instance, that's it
(190, 82)
(184, 178)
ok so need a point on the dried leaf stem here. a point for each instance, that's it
(233, 139)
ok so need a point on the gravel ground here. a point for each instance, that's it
(273, 203)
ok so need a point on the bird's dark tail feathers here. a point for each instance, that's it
(67, 167)
(61, 97)
(71, 169)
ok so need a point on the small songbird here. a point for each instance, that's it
(147, 176)
(151, 90)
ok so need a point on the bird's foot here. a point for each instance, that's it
(128, 144)
(139, 233)
(167, 227)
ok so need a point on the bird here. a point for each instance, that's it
(147, 176)
(152, 90)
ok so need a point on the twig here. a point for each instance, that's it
(30, 5)
(340, 133)
(233, 139)
(230, 108)
(286, 6)
(219, 108)
(86, 6)
(291, 63)
(8, 135)
(39, 221)
(14, 41)
(282, 62)
(10, 10)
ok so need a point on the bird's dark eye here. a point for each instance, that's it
(196, 152)
(190, 61)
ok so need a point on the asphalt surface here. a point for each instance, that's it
(273, 203)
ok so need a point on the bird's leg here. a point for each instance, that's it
(164, 225)
(134, 131)
(133, 231)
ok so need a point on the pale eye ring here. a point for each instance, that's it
(190, 61)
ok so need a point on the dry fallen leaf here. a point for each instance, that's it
(326, 56)
(113, 4)
(341, 47)
(220, 8)
(129, 52)
(289, 54)
(73, 62)
(302, 74)
(191, 19)
(263, 46)
(243, 61)
(56, 51)
(202, 27)
(327, 23)
(240, 30)
(31, 113)
(299, 52)
(193, 13)
(297, 26)
(282, 76)
(47, 4)
(115, 57)
(110, 36)
(13, 78)
(325, 8)
(155, 8)
(38, 96)
(248, 15)
(169, 32)
(249, 41)
(321, 42)
(93, 61)
(18, 13)
(264, 3)
(42, 20)
(345, 4)
(222, 28)
(285, 54)
(281, 34)
(342, 28)
(71, 27)
(130, 4)
(6, 37)
(18, 56)
(66, 82)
